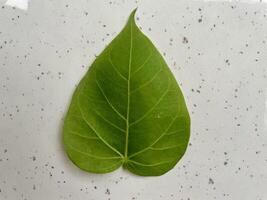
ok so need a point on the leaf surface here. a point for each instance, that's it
(127, 110)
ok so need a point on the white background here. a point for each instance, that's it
(218, 53)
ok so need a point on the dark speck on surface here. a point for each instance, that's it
(185, 40)
(211, 181)
(107, 191)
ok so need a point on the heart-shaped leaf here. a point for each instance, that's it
(127, 110)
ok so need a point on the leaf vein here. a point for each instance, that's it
(147, 82)
(109, 122)
(165, 148)
(82, 136)
(115, 68)
(149, 165)
(93, 156)
(177, 131)
(153, 107)
(141, 66)
(143, 150)
(109, 103)
(104, 141)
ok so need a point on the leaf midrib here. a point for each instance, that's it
(128, 95)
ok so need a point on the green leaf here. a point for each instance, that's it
(127, 110)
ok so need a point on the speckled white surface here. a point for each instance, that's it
(218, 53)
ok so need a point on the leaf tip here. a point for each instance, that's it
(133, 14)
(134, 10)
